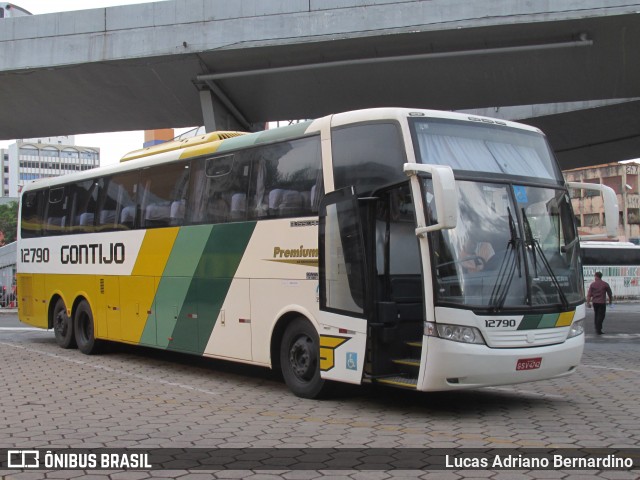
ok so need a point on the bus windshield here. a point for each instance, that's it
(514, 246)
(479, 147)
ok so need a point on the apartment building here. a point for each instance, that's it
(587, 204)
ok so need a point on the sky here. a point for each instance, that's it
(112, 145)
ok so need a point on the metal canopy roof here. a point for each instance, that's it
(541, 62)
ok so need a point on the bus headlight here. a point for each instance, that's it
(456, 333)
(577, 328)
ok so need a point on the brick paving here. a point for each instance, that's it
(140, 398)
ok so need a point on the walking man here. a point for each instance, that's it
(598, 292)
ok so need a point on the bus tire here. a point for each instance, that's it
(63, 326)
(300, 359)
(84, 329)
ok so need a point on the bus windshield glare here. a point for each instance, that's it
(491, 149)
(515, 245)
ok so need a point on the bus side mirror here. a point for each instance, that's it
(610, 208)
(444, 192)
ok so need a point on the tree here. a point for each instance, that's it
(9, 222)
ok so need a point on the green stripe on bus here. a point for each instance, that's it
(174, 284)
(266, 136)
(216, 268)
(530, 322)
(548, 320)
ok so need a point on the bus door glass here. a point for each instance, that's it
(343, 288)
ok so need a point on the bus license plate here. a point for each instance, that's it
(529, 363)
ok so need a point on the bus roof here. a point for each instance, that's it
(218, 142)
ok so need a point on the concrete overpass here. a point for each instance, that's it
(238, 64)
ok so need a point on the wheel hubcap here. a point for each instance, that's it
(61, 324)
(301, 358)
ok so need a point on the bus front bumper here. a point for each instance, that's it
(454, 365)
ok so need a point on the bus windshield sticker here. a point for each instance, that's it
(521, 193)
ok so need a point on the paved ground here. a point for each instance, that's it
(54, 398)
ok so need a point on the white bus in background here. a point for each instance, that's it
(9, 10)
(619, 263)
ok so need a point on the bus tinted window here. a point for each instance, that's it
(118, 202)
(217, 185)
(270, 181)
(84, 197)
(32, 208)
(367, 156)
(57, 214)
(286, 179)
(164, 193)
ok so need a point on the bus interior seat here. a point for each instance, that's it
(291, 203)
(128, 216)
(275, 198)
(157, 215)
(284, 202)
(107, 217)
(86, 219)
(177, 212)
(238, 206)
(217, 209)
(306, 201)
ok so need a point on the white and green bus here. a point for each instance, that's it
(420, 249)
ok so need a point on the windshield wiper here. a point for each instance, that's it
(535, 247)
(507, 269)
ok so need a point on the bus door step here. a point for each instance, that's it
(399, 382)
(411, 362)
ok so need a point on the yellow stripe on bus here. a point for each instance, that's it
(565, 319)
(138, 291)
(154, 252)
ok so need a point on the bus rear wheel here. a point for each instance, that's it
(84, 329)
(63, 326)
(300, 359)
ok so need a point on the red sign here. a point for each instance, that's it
(529, 363)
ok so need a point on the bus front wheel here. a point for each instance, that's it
(300, 359)
(84, 329)
(63, 326)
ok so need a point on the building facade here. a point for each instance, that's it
(36, 158)
(588, 205)
(4, 168)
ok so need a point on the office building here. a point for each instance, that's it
(588, 205)
(36, 158)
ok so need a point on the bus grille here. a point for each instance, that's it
(525, 338)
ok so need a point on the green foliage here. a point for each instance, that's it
(9, 221)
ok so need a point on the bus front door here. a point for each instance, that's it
(343, 288)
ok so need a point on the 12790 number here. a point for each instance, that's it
(34, 255)
(497, 323)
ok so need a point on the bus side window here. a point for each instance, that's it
(286, 179)
(57, 211)
(367, 156)
(209, 199)
(32, 207)
(83, 206)
(162, 186)
(118, 203)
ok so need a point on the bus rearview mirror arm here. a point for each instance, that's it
(610, 208)
(444, 193)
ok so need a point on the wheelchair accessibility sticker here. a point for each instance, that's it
(352, 361)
